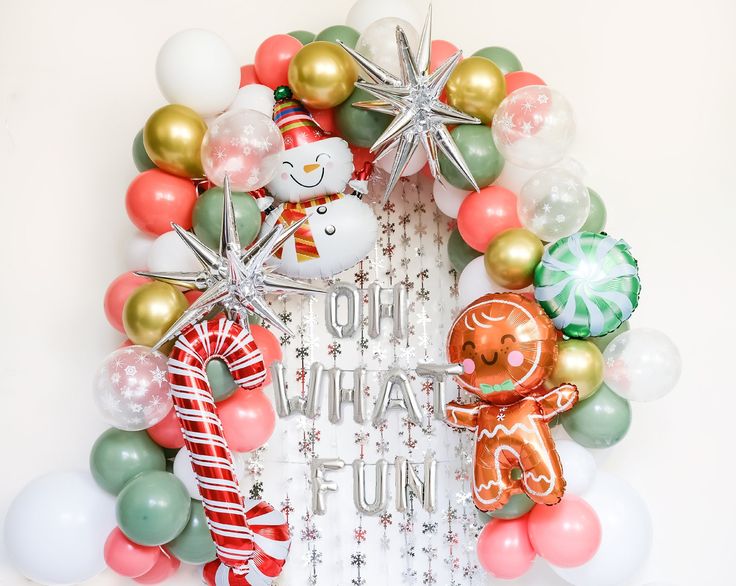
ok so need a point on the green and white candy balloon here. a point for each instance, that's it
(588, 284)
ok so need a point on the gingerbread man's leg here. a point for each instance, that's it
(542, 478)
(492, 482)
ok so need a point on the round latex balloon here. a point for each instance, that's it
(578, 464)
(460, 253)
(448, 198)
(256, 97)
(378, 42)
(322, 75)
(183, 471)
(366, 12)
(194, 545)
(207, 217)
(415, 164)
(151, 310)
(474, 282)
(484, 214)
(168, 253)
(173, 137)
(136, 251)
(600, 421)
(128, 558)
(504, 549)
(117, 294)
(273, 57)
(155, 199)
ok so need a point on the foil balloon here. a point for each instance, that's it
(588, 284)
(251, 539)
(507, 346)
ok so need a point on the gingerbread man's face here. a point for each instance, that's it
(512, 345)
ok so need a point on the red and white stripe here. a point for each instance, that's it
(240, 545)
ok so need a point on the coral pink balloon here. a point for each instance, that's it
(165, 567)
(486, 213)
(269, 346)
(167, 432)
(273, 58)
(117, 294)
(127, 558)
(325, 119)
(155, 199)
(567, 535)
(248, 419)
(519, 79)
(504, 549)
(361, 156)
(248, 75)
(441, 52)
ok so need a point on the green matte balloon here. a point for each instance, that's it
(220, 379)
(194, 545)
(207, 217)
(459, 251)
(140, 157)
(505, 59)
(596, 221)
(360, 127)
(518, 506)
(603, 341)
(346, 34)
(153, 508)
(117, 456)
(475, 143)
(304, 37)
(600, 421)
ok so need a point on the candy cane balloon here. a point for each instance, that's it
(252, 540)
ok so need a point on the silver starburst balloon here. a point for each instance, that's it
(420, 118)
(233, 280)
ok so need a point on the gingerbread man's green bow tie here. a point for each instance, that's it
(506, 385)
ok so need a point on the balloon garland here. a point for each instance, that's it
(264, 172)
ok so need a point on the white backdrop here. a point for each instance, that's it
(653, 88)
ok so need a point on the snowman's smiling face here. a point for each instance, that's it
(312, 170)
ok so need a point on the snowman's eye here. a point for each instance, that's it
(321, 210)
(330, 230)
(288, 163)
(322, 155)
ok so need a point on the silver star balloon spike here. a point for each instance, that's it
(233, 280)
(420, 118)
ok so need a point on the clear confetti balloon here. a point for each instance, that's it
(378, 43)
(642, 365)
(131, 388)
(245, 145)
(553, 204)
(534, 127)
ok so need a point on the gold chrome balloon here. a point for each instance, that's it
(322, 75)
(512, 256)
(173, 139)
(476, 87)
(151, 310)
(579, 362)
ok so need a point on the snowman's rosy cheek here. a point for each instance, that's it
(284, 176)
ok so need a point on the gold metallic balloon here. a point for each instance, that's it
(579, 362)
(476, 87)
(173, 139)
(151, 310)
(512, 256)
(322, 75)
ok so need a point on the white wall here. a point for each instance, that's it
(653, 87)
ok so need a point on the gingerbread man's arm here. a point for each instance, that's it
(463, 415)
(557, 401)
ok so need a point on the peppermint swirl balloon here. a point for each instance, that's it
(588, 284)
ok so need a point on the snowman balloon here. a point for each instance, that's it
(315, 170)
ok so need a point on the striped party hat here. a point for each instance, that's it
(294, 121)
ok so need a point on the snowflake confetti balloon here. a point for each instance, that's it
(131, 389)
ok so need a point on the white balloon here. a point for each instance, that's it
(183, 471)
(366, 12)
(56, 528)
(475, 282)
(513, 178)
(169, 253)
(254, 97)
(378, 42)
(136, 251)
(196, 68)
(642, 365)
(448, 198)
(578, 466)
(416, 163)
(626, 535)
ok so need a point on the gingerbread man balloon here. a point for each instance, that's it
(508, 347)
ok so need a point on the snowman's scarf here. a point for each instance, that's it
(303, 238)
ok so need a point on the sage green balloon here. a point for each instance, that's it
(596, 221)
(118, 456)
(221, 380)
(304, 37)
(505, 59)
(140, 157)
(518, 506)
(360, 127)
(153, 508)
(475, 143)
(207, 217)
(600, 421)
(603, 341)
(346, 34)
(194, 545)
(459, 251)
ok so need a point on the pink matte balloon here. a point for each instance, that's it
(248, 75)
(165, 567)
(155, 199)
(273, 58)
(441, 52)
(486, 213)
(519, 79)
(269, 346)
(167, 432)
(117, 294)
(504, 549)
(567, 535)
(127, 558)
(248, 419)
